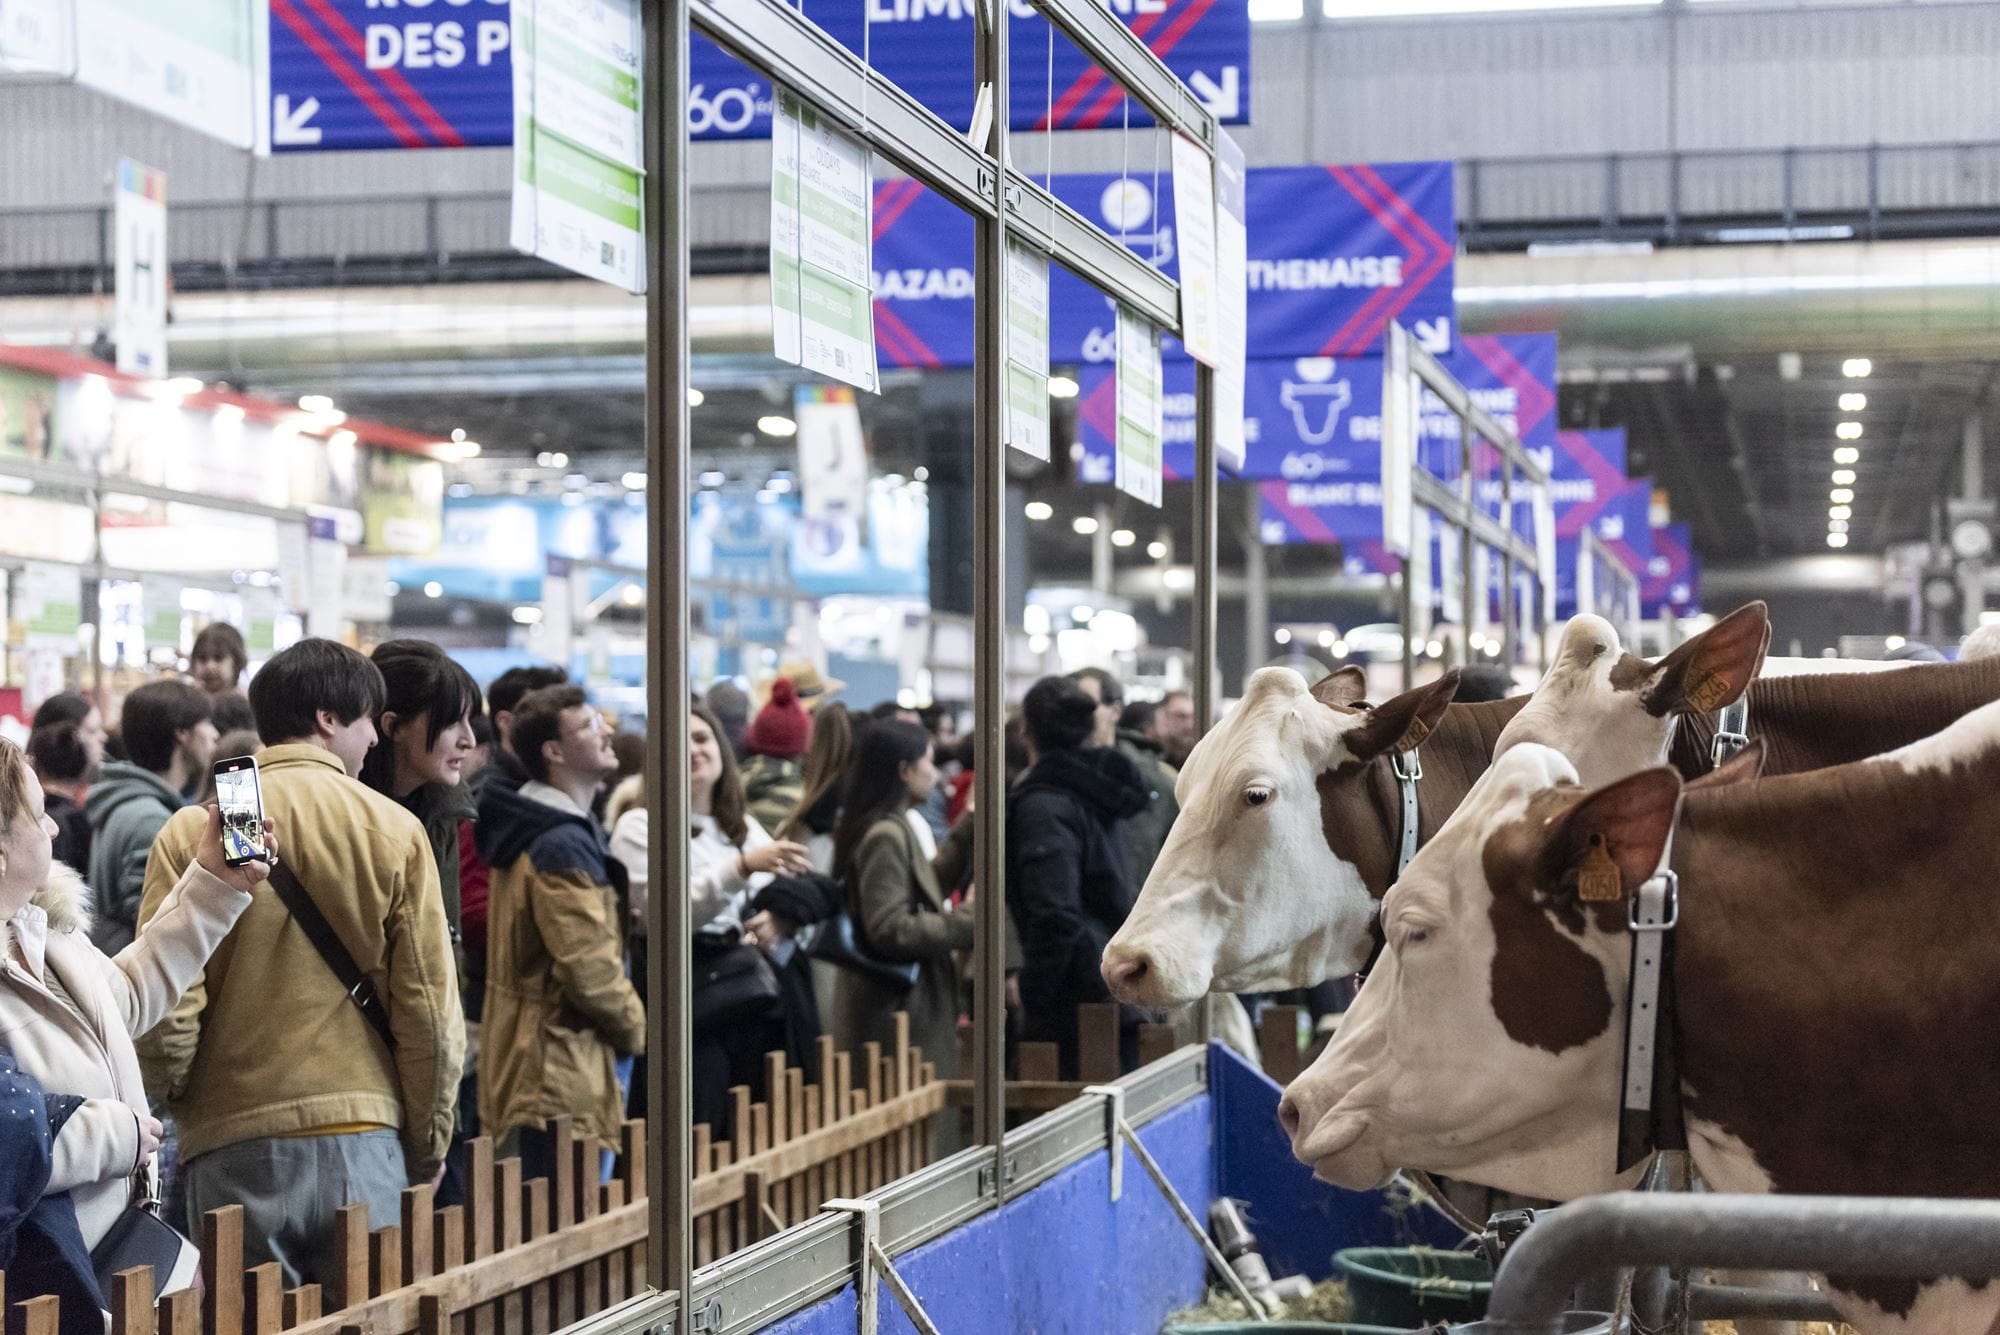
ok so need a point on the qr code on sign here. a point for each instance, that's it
(605, 253)
(840, 358)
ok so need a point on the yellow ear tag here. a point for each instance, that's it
(1705, 697)
(1599, 881)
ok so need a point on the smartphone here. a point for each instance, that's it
(241, 797)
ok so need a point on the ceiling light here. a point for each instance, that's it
(1284, 636)
(1326, 639)
(634, 481)
(315, 403)
(1893, 643)
(1038, 510)
(1435, 649)
(633, 595)
(1836, 539)
(1848, 431)
(1038, 644)
(712, 478)
(1123, 537)
(458, 491)
(1843, 477)
(1836, 526)
(527, 616)
(576, 480)
(1853, 403)
(777, 426)
(1477, 641)
(458, 433)
(1840, 495)
(433, 590)
(185, 385)
(1340, 648)
(1084, 524)
(1082, 612)
(1840, 512)
(1157, 550)
(1062, 387)
(695, 397)
(1856, 368)
(1847, 454)
(920, 474)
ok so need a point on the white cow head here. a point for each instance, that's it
(1246, 893)
(1613, 713)
(1487, 1042)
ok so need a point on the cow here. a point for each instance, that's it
(1224, 910)
(1836, 974)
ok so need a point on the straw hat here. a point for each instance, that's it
(812, 688)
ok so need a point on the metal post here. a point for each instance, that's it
(670, 1089)
(1203, 555)
(1102, 578)
(989, 610)
(1508, 611)
(1256, 588)
(1468, 554)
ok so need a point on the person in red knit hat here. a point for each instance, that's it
(774, 779)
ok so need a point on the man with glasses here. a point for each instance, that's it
(1145, 834)
(560, 1010)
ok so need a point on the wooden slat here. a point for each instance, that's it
(512, 1315)
(590, 1278)
(1278, 1042)
(349, 1286)
(754, 1189)
(864, 1127)
(479, 1196)
(132, 1301)
(433, 1318)
(419, 1238)
(385, 1260)
(1036, 1063)
(264, 1299)
(535, 1196)
(774, 1094)
(562, 1213)
(1155, 1042)
(739, 1119)
(795, 1122)
(222, 1267)
(617, 1275)
(1097, 1041)
(301, 1305)
(449, 1228)
(900, 1054)
(37, 1316)
(180, 1312)
(633, 1163)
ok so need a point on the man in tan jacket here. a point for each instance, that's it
(287, 1101)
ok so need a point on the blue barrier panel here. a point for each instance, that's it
(1300, 1221)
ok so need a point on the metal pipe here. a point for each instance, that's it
(1203, 556)
(989, 611)
(1256, 588)
(1859, 1235)
(670, 1087)
(1731, 1302)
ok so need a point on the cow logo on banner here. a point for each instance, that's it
(1315, 400)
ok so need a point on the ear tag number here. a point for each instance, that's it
(1599, 881)
(1707, 694)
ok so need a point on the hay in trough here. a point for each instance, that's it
(1327, 1302)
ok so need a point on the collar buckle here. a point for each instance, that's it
(1408, 765)
(1670, 904)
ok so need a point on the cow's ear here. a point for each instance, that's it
(1714, 668)
(1400, 723)
(1343, 688)
(1608, 844)
(1742, 767)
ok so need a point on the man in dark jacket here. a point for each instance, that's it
(1068, 885)
(169, 741)
(1144, 833)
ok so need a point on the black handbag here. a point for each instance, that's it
(140, 1237)
(734, 984)
(839, 942)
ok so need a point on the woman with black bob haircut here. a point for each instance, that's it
(894, 896)
(425, 749)
(1068, 886)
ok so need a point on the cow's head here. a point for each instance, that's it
(1487, 1042)
(1612, 712)
(1246, 894)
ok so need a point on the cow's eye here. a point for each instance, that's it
(1414, 936)
(1257, 797)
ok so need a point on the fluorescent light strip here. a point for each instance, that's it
(1400, 9)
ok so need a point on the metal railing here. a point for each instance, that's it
(1700, 197)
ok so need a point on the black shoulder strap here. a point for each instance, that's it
(326, 943)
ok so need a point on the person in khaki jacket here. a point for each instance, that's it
(286, 1100)
(559, 1009)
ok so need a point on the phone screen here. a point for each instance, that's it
(242, 802)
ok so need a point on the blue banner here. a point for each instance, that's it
(368, 74)
(1335, 254)
(1672, 586)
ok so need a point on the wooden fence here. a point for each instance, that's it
(530, 1257)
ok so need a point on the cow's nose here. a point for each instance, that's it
(1126, 970)
(1288, 1116)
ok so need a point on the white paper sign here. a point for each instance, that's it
(578, 147)
(833, 455)
(1141, 408)
(139, 276)
(50, 605)
(1232, 289)
(1417, 570)
(203, 63)
(1399, 440)
(36, 37)
(559, 609)
(326, 564)
(1195, 237)
(160, 611)
(822, 210)
(1027, 351)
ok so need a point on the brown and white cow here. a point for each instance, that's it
(1217, 915)
(1289, 821)
(1837, 977)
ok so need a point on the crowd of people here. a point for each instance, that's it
(453, 938)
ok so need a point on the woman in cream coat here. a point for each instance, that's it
(68, 1013)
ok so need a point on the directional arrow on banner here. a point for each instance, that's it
(1225, 101)
(288, 126)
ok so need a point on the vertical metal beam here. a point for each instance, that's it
(670, 1089)
(1509, 613)
(1203, 555)
(1256, 588)
(989, 609)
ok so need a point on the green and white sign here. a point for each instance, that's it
(1232, 312)
(822, 212)
(578, 143)
(1141, 408)
(160, 611)
(1027, 351)
(1195, 244)
(50, 605)
(260, 622)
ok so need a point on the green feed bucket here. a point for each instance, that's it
(1408, 1287)
(1275, 1328)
